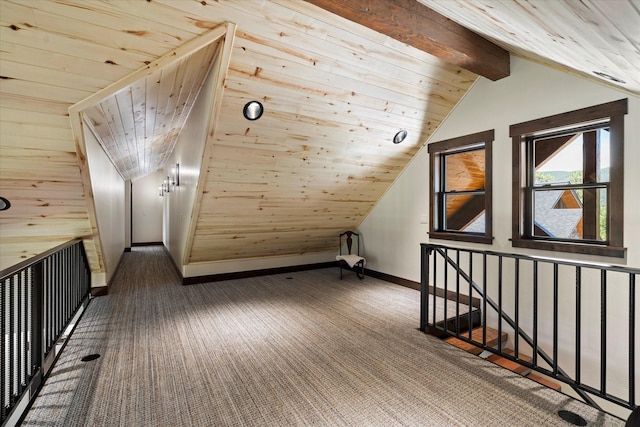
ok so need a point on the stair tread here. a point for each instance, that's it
(476, 335)
(521, 356)
(544, 381)
(508, 364)
(469, 348)
(534, 376)
(492, 340)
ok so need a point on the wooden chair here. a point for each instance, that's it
(347, 259)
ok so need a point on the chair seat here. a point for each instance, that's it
(345, 255)
(351, 259)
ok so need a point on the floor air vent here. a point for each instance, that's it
(572, 417)
(90, 357)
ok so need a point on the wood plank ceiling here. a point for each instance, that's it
(334, 92)
(590, 38)
(139, 126)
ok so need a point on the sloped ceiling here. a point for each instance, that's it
(139, 126)
(334, 92)
(596, 39)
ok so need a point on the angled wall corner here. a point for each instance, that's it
(80, 121)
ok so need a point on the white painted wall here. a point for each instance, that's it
(146, 204)
(220, 267)
(178, 203)
(127, 214)
(394, 229)
(109, 196)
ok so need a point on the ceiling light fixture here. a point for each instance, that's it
(253, 110)
(400, 136)
(4, 204)
(609, 77)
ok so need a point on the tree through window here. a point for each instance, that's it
(568, 181)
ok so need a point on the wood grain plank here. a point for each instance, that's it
(414, 24)
(575, 37)
(350, 56)
(144, 42)
(18, 25)
(152, 83)
(13, 115)
(38, 74)
(43, 91)
(22, 102)
(167, 59)
(34, 130)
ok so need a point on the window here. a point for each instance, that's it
(460, 183)
(568, 181)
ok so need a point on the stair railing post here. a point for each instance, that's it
(434, 281)
(484, 299)
(457, 293)
(424, 286)
(446, 286)
(516, 337)
(632, 338)
(603, 331)
(578, 322)
(469, 320)
(555, 318)
(500, 309)
(535, 314)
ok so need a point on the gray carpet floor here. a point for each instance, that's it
(294, 349)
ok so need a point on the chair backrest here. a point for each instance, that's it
(347, 236)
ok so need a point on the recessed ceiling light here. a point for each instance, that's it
(609, 77)
(253, 110)
(400, 136)
(4, 204)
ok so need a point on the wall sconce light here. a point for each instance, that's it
(175, 172)
(167, 185)
(161, 190)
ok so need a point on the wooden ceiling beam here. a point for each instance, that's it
(412, 23)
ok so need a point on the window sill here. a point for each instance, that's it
(459, 237)
(609, 251)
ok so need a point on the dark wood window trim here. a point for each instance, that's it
(614, 112)
(454, 144)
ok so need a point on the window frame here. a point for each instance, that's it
(451, 146)
(523, 134)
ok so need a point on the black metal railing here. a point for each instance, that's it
(38, 300)
(572, 321)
